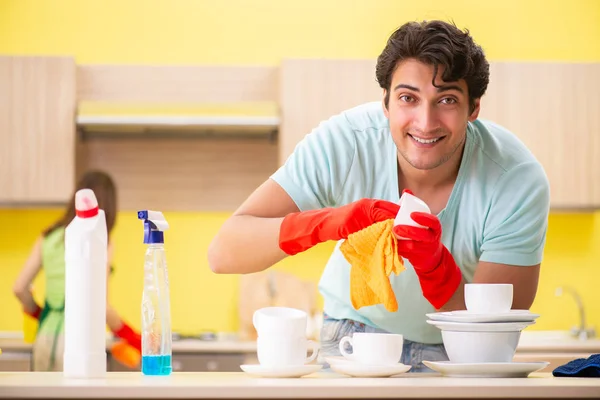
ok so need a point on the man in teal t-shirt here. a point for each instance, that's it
(488, 195)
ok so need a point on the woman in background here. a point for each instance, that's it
(49, 253)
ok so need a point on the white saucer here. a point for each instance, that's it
(477, 327)
(338, 360)
(295, 371)
(352, 368)
(486, 370)
(466, 316)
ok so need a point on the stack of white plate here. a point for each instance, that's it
(482, 344)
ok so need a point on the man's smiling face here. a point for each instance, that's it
(428, 123)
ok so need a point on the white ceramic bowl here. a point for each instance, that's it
(480, 347)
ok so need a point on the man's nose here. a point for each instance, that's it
(426, 119)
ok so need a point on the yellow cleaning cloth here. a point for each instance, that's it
(373, 256)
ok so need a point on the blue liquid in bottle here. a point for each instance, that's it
(156, 365)
(156, 308)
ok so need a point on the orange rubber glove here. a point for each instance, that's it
(438, 273)
(302, 230)
(127, 333)
(124, 353)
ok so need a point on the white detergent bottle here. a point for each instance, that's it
(86, 255)
(156, 303)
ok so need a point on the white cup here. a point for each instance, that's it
(280, 321)
(488, 298)
(281, 351)
(408, 204)
(373, 348)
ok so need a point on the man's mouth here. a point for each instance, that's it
(426, 141)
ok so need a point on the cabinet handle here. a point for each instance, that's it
(177, 365)
(212, 365)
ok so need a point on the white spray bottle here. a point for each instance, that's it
(156, 303)
(86, 253)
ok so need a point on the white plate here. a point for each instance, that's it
(486, 370)
(477, 327)
(295, 371)
(466, 316)
(343, 360)
(348, 367)
(369, 371)
(338, 360)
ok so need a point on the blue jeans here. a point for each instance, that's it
(413, 353)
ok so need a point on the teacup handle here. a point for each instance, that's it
(314, 352)
(343, 350)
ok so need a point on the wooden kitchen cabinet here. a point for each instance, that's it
(550, 106)
(37, 129)
(15, 361)
(312, 91)
(196, 362)
(208, 362)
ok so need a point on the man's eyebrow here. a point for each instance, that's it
(439, 89)
(449, 87)
(405, 86)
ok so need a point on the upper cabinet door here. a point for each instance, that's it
(554, 109)
(37, 129)
(312, 91)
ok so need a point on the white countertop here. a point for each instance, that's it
(533, 341)
(556, 341)
(230, 385)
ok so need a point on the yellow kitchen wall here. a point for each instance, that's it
(263, 32)
(202, 300)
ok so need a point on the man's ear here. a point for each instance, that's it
(475, 113)
(385, 106)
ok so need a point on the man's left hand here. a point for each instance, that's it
(422, 246)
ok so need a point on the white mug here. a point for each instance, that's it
(278, 351)
(410, 203)
(488, 298)
(281, 321)
(373, 348)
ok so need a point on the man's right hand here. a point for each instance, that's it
(302, 230)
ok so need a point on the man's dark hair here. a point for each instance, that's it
(436, 43)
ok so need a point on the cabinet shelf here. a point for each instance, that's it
(227, 126)
(240, 119)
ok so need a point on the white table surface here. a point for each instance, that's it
(230, 385)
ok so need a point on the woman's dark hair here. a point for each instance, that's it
(436, 43)
(106, 193)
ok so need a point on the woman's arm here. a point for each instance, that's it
(22, 286)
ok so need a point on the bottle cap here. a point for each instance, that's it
(154, 225)
(86, 204)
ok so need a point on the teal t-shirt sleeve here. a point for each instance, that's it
(515, 228)
(315, 173)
